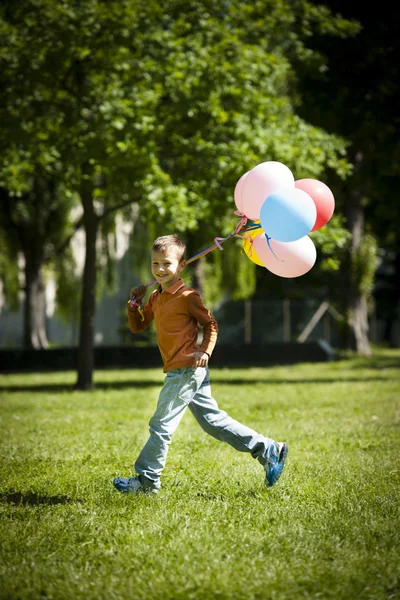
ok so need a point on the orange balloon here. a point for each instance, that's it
(248, 245)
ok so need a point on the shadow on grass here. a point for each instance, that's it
(31, 499)
(380, 363)
(143, 383)
(60, 387)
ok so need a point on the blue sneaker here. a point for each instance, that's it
(132, 486)
(277, 453)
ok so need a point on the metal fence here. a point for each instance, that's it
(248, 322)
(261, 322)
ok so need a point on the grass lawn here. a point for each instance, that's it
(330, 528)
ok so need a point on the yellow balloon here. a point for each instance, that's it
(248, 245)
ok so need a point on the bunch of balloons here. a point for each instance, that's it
(283, 211)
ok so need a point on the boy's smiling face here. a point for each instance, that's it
(166, 266)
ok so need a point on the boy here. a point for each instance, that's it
(177, 311)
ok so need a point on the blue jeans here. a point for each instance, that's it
(190, 387)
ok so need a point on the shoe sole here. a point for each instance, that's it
(283, 452)
(127, 490)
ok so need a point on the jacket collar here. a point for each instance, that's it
(173, 289)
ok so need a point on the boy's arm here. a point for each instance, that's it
(136, 322)
(207, 322)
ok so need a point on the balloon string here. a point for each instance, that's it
(218, 241)
(217, 244)
(269, 246)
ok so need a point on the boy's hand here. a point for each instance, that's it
(139, 292)
(200, 359)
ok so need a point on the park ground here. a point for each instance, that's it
(329, 529)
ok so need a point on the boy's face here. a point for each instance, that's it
(166, 267)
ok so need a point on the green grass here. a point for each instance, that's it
(328, 530)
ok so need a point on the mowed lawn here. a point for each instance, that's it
(330, 528)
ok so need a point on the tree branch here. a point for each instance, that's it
(60, 249)
(114, 208)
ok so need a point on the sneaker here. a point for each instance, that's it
(132, 486)
(277, 453)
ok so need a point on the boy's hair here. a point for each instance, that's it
(165, 242)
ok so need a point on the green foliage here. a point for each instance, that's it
(214, 292)
(165, 105)
(144, 233)
(68, 285)
(332, 241)
(326, 530)
(106, 257)
(9, 272)
(229, 274)
(364, 264)
(238, 277)
(230, 101)
(356, 96)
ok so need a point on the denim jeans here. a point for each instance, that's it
(190, 387)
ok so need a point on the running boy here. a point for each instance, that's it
(177, 311)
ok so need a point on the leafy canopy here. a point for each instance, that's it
(165, 104)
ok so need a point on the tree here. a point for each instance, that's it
(31, 223)
(65, 103)
(357, 97)
(161, 104)
(229, 102)
(34, 208)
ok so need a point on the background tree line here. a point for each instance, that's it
(153, 111)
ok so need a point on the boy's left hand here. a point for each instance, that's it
(200, 359)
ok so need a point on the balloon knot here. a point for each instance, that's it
(217, 240)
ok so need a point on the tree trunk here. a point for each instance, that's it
(35, 305)
(356, 303)
(88, 301)
(392, 303)
(28, 235)
(360, 327)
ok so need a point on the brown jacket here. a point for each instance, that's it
(177, 312)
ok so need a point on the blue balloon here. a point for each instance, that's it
(288, 214)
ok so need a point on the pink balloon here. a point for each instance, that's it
(286, 259)
(260, 182)
(238, 192)
(323, 198)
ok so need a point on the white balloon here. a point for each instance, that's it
(260, 182)
(286, 259)
(238, 192)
